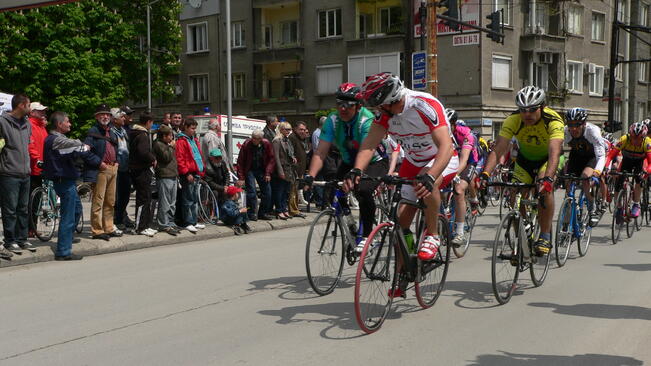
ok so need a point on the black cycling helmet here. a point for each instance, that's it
(348, 92)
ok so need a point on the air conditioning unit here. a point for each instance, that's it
(545, 58)
(592, 68)
(178, 90)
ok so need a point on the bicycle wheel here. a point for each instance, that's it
(85, 191)
(44, 214)
(506, 259)
(539, 264)
(431, 275)
(208, 206)
(585, 234)
(618, 218)
(79, 228)
(564, 232)
(375, 277)
(630, 221)
(646, 210)
(505, 202)
(324, 253)
(469, 224)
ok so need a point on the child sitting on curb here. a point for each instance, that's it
(231, 214)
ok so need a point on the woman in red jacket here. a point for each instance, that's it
(191, 167)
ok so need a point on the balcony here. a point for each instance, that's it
(378, 19)
(281, 90)
(262, 4)
(279, 38)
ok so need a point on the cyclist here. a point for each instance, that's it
(587, 154)
(635, 148)
(345, 129)
(466, 146)
(417, 121)
(538, 130)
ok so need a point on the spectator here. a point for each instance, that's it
(140, 164)
(211, 140)
(177, 118)
(301, 144)
(166, 179)
(167, 119)
(38, 121)
(15, 132)
(317, 133)
(217, 174)
(191, 167)
(123, 181)
(255, 163)
(270, 130)
(232, 214)
(284, 177)
(59, 167)
(103, 143)
(128, 117)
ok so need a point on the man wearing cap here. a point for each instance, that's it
(15, 131)
(38, 120)
(123, 181)
(217, 174)
(255, 163)
(103, 143)
(211, 140)
(128, 117)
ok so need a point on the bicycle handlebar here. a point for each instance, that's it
(573, 177)
(511, 184)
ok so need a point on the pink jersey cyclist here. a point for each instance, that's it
(466, 140)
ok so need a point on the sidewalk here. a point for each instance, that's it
(89, 247)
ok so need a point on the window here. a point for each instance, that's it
(540, 21)
(239, 85)
(199, 88)
(574, 76)
(328, 77)
(362, 66)
(541, 76)
(330, 23)
(617, 113)
(291, 85)
(197, 37)
(619, 70)
(621, 7)
(507, 5)
(596, 80)
(289, 32)
(644, 14)
(238, 35)
(642, 72)
(267, 36)
(598, 21)
(501, 71)
(390, 20)
(366, 27)
(574, 19)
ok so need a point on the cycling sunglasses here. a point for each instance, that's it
(575, 125)
(529, 110)
(346, 103)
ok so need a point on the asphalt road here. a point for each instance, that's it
(245, 300)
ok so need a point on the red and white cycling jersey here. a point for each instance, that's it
(412, 128)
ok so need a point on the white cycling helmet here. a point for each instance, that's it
(451, 115)
(530, 96)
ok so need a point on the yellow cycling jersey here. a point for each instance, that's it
(534, 140)
(631, 151)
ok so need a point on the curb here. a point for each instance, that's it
(88, 247)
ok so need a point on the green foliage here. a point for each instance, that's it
(324, 112)
(75, 56)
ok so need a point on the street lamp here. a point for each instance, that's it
(149, 53)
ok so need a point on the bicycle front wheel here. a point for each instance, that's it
(431, 275)
(564, 232)
(44, 213)
(324, 253)
(208, 206)
(618, 218)
(375, 278)
(506, 258)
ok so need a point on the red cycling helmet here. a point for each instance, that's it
(347, 91)
(382, 88)
(638, 129)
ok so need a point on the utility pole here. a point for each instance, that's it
(614, 46)
(432, 51)
(229, 82)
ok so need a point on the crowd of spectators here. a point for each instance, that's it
(118, 156)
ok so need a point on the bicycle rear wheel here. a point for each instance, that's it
(630, 221)
(324, 253)
(505, 259)
(431, 275)
(44, 213)
(208, 206)
(539, 264)
(618, 218)
(564, 232)
(375, 277)
(583, 241)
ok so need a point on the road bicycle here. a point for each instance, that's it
(333, 237)
(386, 265)
(573, 221)
(513, 248)
(44, 210)
(448, 209)
(208, 204)
(622, 207)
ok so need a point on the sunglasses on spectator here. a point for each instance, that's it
(529, 110)
(346, 103)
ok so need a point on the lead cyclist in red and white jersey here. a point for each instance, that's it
(418, 123)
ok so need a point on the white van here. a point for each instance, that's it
(242, 128)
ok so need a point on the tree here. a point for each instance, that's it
(75, 56)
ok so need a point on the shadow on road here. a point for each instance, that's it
(644, 251)
(589, 359)
(290, 288)
(603, 311)
(471, 295)
(632, 267)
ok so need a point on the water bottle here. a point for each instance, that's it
(409, 239)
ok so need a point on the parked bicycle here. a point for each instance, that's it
(44, 210)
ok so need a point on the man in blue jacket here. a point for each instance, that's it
(60, 154)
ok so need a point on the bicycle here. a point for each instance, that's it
(208, 204)
(44, 210)
(448, 209)
(513, 250)
(387, 264)
(622, 209)
(573, 221)
(333, 236)
(84, 191)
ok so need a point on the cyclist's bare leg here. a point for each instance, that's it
(460, 201)
(547, 212)
(637, 192)
(587, 172)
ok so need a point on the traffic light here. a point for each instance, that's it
(452, 12)
(495, 25)
(612, 126)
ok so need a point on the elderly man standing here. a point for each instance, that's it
(211, 141)
(15, 132)
(103, 143)
(255, 163)
(123, 181)
(301, 143)
(270, 130)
